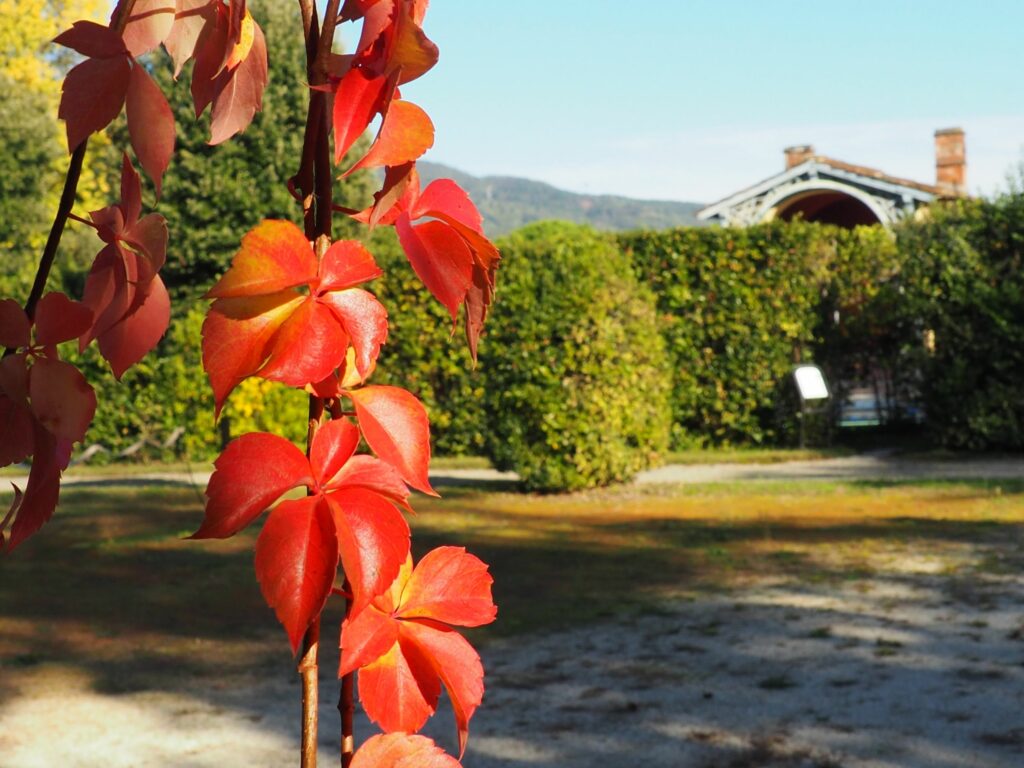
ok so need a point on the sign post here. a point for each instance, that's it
(810, 385)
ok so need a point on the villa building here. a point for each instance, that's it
(823, 189)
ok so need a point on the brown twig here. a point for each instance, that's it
(346, 702)
(310, 670)
(309, 662)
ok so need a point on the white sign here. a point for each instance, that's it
(810, 382)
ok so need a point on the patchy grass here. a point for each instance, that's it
(112, 585)
(131, 469)
(754, 455)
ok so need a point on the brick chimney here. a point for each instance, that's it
(951, 160)
(798, 154)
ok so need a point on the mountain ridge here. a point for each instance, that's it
(510, 202)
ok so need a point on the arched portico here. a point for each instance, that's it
(824, 201)
(818, 188)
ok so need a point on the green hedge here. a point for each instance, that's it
(577, 384)
(963, 284)
(734, 307)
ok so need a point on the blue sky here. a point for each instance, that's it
(693, 99)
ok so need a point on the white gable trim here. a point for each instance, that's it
(772, 199)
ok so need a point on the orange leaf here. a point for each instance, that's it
(274, 255)
(405, 134)
(238, 335)
(452, 586)
(401, 750)
(396, 427)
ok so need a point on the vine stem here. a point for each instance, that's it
(346, 700)
(314, 182)
(309, 669)
(346, 703)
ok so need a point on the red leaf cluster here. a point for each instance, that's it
(404, 646)
(349, 515)
(285, 315)
(130, 306)
(449, 250)
(110, 78)
(45, 405)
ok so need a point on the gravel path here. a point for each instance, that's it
(914, 669)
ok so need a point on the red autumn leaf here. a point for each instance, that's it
(358, 97)
(405, 134)
(274, 256)
(149, 25)
(242, 96)
(404, 650)
(251, 474)
(45, 405)
(59, 319)
(408, 49)
(396, 427)
(280, 315)
(62, 399)
(371, 473)
(16, 418)
(441, 259)
(401, 750)
(450, 586)
(296, 561)
(229, 73)
(36, 387)
(239, 336)
(150, 124)
(192, 19)
(92, 96)
(450, 252)
(128, 299)
(371, 536)
(33, 509)
(15, 327)
(92, 40)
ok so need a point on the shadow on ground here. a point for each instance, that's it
(769, 628)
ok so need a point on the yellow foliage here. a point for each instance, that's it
(29, 58)
(26, 35)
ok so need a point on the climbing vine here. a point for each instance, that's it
(295, 308)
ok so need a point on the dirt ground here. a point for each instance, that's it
(892, 650)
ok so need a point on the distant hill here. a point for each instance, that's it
(508, 202)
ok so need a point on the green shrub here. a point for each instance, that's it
(169, 389)
(577, 384)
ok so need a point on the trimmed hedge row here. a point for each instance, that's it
(959, 309)
(739, 307)
(594, 336)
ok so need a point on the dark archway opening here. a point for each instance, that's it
(827, 207)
